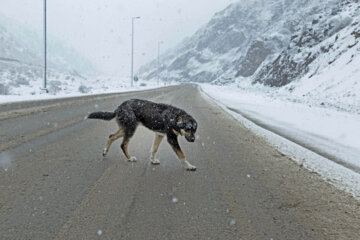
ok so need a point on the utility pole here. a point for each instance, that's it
(44, 89)
(158, 61)
(132, 50)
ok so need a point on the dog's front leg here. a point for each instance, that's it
(172, 140)
(155, 147)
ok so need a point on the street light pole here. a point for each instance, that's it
(45, 48)
(132, 50)
(158, 61)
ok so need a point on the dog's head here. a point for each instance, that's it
(187, 126)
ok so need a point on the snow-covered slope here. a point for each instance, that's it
(26, 45)
(23, 81)
(21, 61)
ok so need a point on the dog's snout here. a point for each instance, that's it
(190, 138)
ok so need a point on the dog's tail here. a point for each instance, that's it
(102, 115)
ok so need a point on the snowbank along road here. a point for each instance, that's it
(55, 184)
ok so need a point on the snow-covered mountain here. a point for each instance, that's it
(270, 42)
(21, 61)
(26, 45)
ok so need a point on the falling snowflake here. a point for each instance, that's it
(5, 162)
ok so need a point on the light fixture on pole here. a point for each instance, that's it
(132, 50)
(158, 61)
(44, 89)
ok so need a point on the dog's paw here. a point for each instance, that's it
(104, 153)
(132, 159)
(190, 167)
(155, 161)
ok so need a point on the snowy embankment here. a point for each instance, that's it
(320, 138)
(74, 88)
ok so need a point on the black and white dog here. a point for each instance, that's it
(163, 119)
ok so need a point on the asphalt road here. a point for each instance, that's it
(55, 184)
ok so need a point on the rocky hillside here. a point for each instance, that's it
(272, 42)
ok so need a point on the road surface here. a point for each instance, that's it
(55, 184)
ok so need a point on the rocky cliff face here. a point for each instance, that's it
(315, 40)
(272, 42)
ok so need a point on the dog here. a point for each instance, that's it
(163, 119)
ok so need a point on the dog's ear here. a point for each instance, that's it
(181, 124)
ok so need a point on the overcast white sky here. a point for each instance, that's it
(101, 30)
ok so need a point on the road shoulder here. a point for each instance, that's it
(283, 188)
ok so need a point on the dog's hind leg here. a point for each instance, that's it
(112, 138)
(172, 140)
(124, 147)
(127, 119)
(155, 147)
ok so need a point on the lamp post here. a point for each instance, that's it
(44, 89)
(132, 50)
(158, 61)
